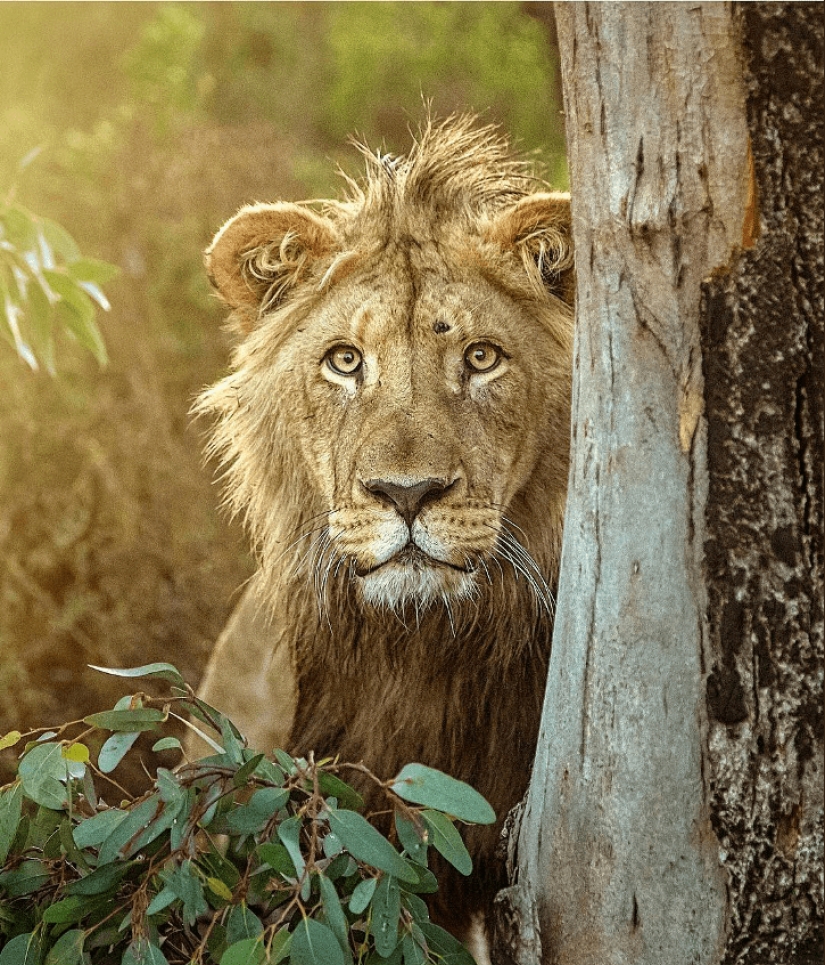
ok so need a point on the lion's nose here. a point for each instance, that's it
(408, 497)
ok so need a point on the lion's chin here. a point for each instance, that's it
(398, 585)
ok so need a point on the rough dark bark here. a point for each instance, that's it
(762, 345)
(675, 813)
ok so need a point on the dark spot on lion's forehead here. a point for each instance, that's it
(440, 327)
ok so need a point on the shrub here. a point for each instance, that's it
(239, 858)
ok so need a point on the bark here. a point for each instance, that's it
(762, 341)
(675, 811)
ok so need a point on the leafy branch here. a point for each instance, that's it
(239, 858)
(45, 284)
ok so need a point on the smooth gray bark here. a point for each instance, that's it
(618, 855)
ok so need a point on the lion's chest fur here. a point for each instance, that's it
(436, 694)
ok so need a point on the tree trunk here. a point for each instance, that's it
(675, 811)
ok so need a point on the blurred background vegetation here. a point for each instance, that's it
(155, 122)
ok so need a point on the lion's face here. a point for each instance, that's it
(413, 392)
(426, 396)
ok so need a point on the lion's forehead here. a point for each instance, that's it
(403, 304)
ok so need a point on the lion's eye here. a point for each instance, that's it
(482, 357)
(344, 359)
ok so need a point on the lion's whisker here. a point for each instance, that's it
(449, 610)
(522, 562)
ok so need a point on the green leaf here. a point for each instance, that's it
(39, 315)
(277, 857)
(214, 863)
(162, 900)
(242, 923)
(219, 888)
(11, 807)
(96, 294)
(68, 849)
(10, 739)
(449, 949)
(144, 824)
(115, 748)
(332, 845)
(280, 947)
(78, 321)
(286, 761)
(334, 913)
(434, 789)
(20, 227)
(143, 952)
(232, 740)
(251, 817)
(78, 753)
(28, 877)
(185, 883)
(73, 295)
(362, 895)
(367, 844)
(413, 837)
(22, 950)
(289, 832)
(59, 239)
(313, 943)
(67, 910)
(152, 671)
(447, 841)
(395, 958)
(414, 953)
(427, 883)
(241, 775)
(269, 772)
(386, 910)
(68, 949)
(333, 786)
(138, 719)
(343, 866)
(92, 270)
(40, 773)
(12, 314)
(248, 951)
(94, 830)
(415, 906)
(99, 881)
(167, 744)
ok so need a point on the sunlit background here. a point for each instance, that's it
(154, 123)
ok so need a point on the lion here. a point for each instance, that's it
(394, 432)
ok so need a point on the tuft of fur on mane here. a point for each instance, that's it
(454, 167)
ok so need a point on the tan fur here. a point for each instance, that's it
(426, 639)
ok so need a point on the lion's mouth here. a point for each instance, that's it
(413, 557)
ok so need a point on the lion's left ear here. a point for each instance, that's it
(539, 228)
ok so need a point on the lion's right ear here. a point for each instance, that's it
(263, 252)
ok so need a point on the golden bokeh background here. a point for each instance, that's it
(143, 126)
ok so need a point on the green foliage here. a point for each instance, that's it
(46, 283)
(488, 56)
(237, 859)
(162, 66)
